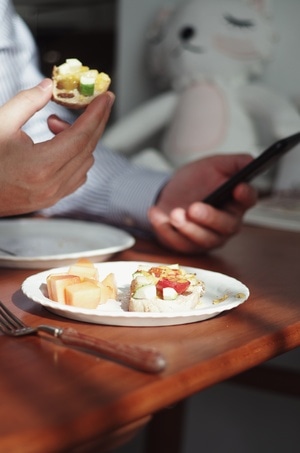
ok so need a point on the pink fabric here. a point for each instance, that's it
(192, 133)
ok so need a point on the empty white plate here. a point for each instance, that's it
(46, 243)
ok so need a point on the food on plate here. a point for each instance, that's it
(85, 294)
(164, 288)
(76, 85)
(81, 287)
(157, 288)
(109, 287)
(57, 284)
(84, 269)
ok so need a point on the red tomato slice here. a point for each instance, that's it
(180, 286)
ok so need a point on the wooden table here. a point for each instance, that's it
(58, 399)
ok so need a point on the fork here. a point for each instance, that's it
(139, 357)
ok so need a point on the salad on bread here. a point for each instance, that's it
(76, 85)
(164, 288)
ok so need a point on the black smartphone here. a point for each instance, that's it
(224, 193)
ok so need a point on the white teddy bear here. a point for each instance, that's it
(209, 55)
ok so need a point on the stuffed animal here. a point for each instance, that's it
(208, 56)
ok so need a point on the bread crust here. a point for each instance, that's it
(182, 303)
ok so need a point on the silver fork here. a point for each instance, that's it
(139, 357)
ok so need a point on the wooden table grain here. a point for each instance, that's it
(58, 399)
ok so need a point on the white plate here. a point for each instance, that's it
(46, 243)
(227, 291)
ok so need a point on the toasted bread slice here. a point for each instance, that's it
(164, 289)
(75, 85)
(182, 303)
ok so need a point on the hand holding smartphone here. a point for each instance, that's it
(223, 193)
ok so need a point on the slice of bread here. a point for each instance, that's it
(182, 303)
(75, 85)
(163, 289)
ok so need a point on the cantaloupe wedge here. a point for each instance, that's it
(80, 286)
(83, 270)
(56, 284)
(85, 262)
(109, 288)
(85, 294)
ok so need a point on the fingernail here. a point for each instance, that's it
(45, 84)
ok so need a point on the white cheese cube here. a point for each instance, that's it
(145, 292)
(169, 293)
(74, 64)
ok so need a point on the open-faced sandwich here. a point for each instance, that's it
(75, 85)
(164, 289)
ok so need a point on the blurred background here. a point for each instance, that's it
(110, 35)
(65, 29)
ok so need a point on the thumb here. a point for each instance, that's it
(18, 110)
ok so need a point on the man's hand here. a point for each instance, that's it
(35, 176)
(182, 222)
